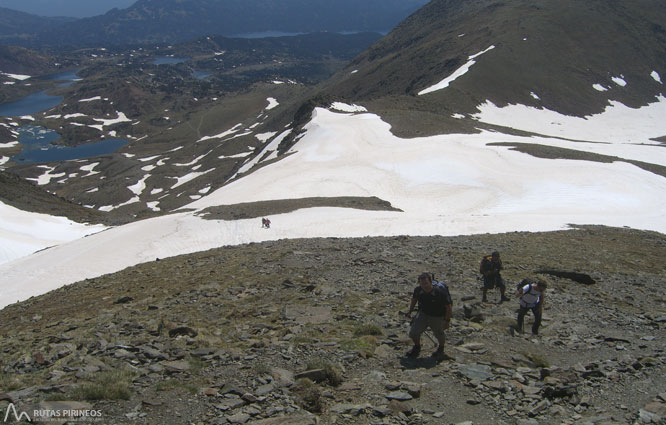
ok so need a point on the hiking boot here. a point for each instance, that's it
(414, 352)
(439, 353)
(504, 299)
(484, 300)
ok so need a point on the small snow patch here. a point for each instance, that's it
(77, 115)
(263, 137)
(272, 103)
(619, 81)
(344, 107)
(91, 99)
(655, 75)
(599, 87)
(17, 76)
(456, 74)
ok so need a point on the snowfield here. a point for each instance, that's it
(23, 233)
(444, 185)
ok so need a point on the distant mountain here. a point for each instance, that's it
(18, 26)
(170, 21)
(568, 56)
(20, 60)
(74, 8)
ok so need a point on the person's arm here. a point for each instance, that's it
(520, 291)
(447, 315)
(485, 268)
(411, 307)
(542, 298)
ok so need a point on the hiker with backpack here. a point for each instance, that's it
(434, 312)
(490, 268)
(532, 295)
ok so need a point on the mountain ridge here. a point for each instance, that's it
(562, 52)
(172, 21)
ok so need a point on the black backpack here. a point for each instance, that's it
(442, 285)
(521, 285)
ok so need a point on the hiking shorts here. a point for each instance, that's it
(492, 282)
(423, 321)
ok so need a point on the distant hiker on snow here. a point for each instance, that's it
(490, 269)
(434, 312)
(265, 223)
(532, 295)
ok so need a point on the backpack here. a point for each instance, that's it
(521, 285)
(485, 260)
(441, 285)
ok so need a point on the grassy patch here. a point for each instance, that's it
(365, 344)
(172, 384)
(196, 364)
(332, 372)
(308, 395)
(10, 382)
(539, 360)
(111, 385)
(367, 329)
(261, 369)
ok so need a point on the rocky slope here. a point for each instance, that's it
(310, 331)
(542, 54)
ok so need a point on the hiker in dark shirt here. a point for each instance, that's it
(434, 312)
(490, 268)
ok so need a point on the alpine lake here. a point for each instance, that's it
(38, 143)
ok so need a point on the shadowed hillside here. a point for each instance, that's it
(556, 51)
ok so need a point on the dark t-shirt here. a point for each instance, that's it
(432, 303)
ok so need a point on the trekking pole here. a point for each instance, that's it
(426, 333)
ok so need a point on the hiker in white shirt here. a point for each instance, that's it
(532, 295)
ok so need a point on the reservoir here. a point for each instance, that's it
(32, 104)
(169, 60)
(40, 101)
(36, 143)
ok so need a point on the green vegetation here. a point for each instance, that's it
(539, 360)
(367, 329)
(171, 384)
(309, 395)
(110, 385)
(332, 372)
(9, 382)
(366, 345)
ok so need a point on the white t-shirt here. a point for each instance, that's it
(530, 298)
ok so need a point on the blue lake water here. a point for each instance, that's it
(32, 104)
(62, 76)
(40, 101)
(200, 75)
(267, 34)
(169, 60)
(36, 143)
